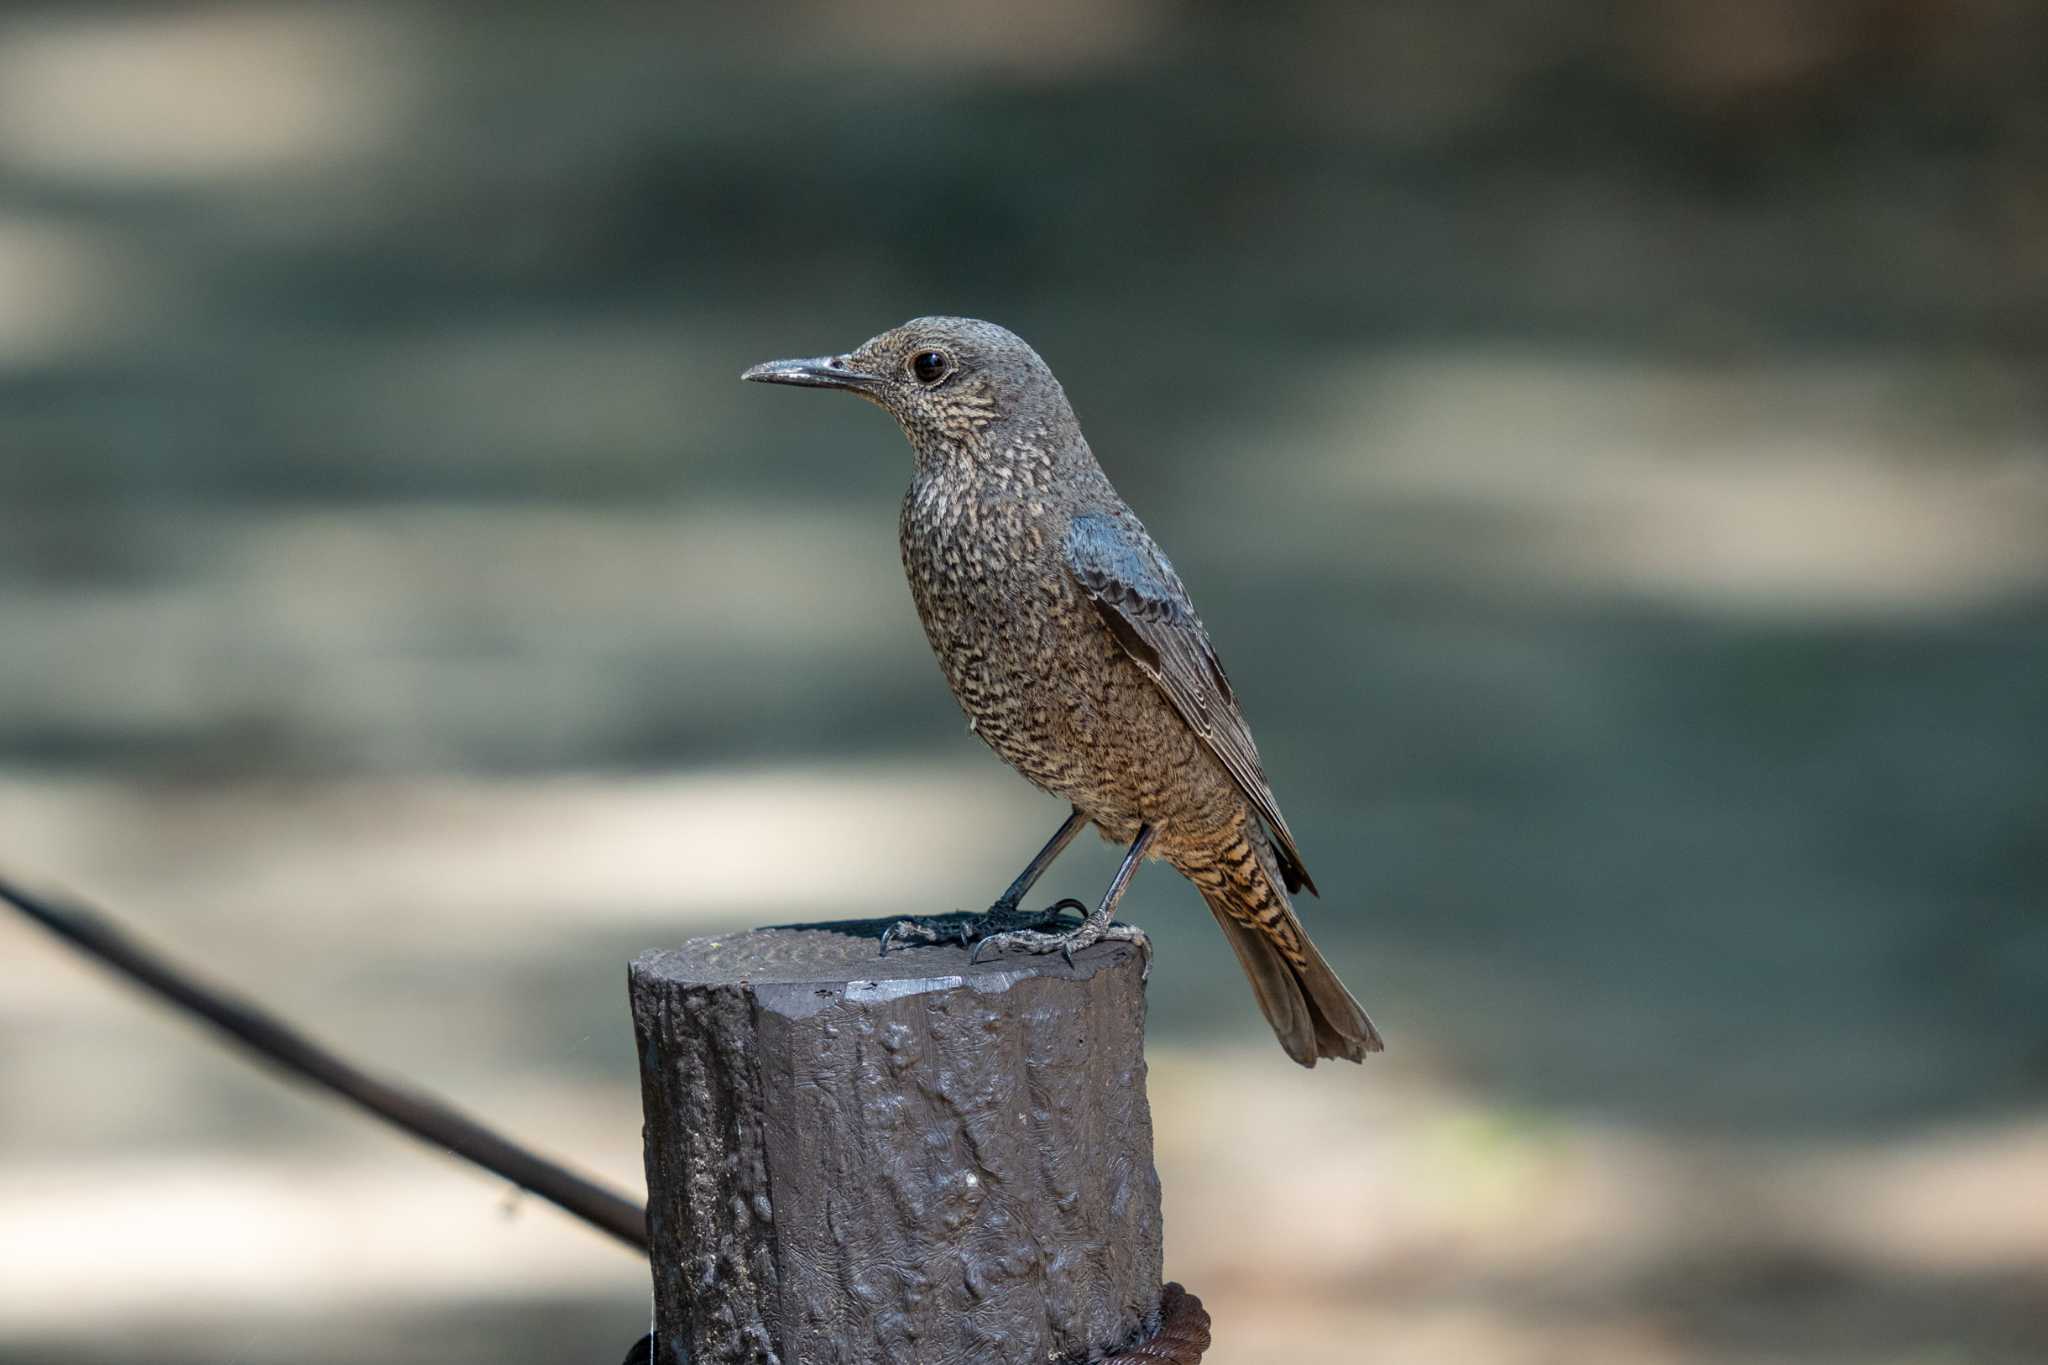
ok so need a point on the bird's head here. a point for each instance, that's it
(950, 382)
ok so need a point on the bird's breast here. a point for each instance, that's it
(1008, 624)
(985, 573)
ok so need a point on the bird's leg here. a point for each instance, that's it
(1099, 925)
(1008, 902)
(1003, 915)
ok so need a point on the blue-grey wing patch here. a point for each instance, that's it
(1142, 601)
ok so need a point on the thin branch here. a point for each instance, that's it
(263, 1033)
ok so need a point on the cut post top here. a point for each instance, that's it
(795, 969)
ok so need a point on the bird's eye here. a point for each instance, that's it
(929, 367)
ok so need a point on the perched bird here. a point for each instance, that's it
(1078, 657)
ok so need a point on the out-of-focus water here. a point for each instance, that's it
(1607, 447)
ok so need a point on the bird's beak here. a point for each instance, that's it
(825, 372)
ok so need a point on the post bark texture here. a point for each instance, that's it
(858, 1160)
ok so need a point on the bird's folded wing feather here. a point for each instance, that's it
(1142, 601)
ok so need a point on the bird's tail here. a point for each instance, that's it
(1308, 1007)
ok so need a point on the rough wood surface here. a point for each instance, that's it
(857, 1160)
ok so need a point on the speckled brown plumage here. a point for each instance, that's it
(1076, 652)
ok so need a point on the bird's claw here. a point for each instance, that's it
(927, 931)
(905, 933)
(1001, 920)
(1085, 935)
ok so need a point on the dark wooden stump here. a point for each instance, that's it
(858, 1160)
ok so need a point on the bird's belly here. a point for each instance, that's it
(1057, 698)
(1026, 684)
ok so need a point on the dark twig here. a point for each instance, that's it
(422, 1115)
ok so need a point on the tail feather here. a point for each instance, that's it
(1280, 997)
(1312, 1013)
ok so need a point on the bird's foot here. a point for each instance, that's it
(1087, 934)
(1000, 921)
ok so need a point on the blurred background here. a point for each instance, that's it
(1609, 443)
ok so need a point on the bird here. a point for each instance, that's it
(1076, 652)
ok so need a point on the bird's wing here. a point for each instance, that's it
(1142, 601)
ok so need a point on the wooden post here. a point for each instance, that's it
(860, 1160)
